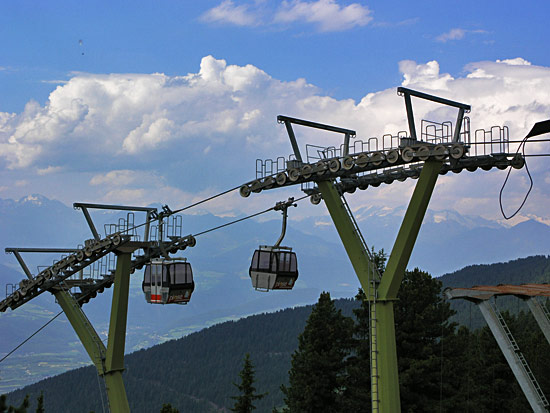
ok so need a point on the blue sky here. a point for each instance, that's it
(40, 41)
(168, 101)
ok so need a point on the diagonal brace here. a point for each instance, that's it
(359, 257)
(83, 328)
(404, 243)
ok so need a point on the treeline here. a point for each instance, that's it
(442, 366)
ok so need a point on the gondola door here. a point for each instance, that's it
(155, 283)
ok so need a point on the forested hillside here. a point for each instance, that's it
(196, 373)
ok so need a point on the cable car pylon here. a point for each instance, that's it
(329, 172)
(67, 274)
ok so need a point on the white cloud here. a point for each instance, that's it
(49, 170)
(115, 178)
(143, 138)
(228, 12)
(518, 61)
(328, 15)
(424, 75)
(456, 34)
(453, 34)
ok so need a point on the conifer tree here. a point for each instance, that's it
(316, 377)
(421, 322)
(40, 406)
(244, 402)
(3, 405)
(167, 408)
(22, 408)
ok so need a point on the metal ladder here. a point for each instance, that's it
(373, 271)
(545, 310)
(373, 321)
(374, 278)
(520, 357)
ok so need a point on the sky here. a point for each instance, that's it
(141, 102)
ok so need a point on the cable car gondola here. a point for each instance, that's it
(168, 281)
(275, 267)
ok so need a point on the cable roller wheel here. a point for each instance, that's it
(457, 151)
(439, 152)
(334, 165)
(376, 158)
(407, 154)
(269, 182)
(347, 162)
(517, 161)
(80, 256)
(244, 191)
(392, 156)
(293, 174)
(117, 240)
(423, 153)
(281, 178)
(315, 199)
(191, 241)
(321, 167)
(256, 186)
(47, 274)
(307, 170)
(362, 160)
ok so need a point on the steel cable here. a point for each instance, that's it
(522, 148)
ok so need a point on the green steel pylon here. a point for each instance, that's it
(382, 294)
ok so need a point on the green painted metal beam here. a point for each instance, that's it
(83, 328)
(385, 396)
(389, 400)
(109, 361)
(364, 268)
(404, 243)
(114, 362)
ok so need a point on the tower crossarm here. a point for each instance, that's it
(374, 168)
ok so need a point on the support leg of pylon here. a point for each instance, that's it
(408, 232)
(526, 381)
(84, 330)
(540, 315)
(114, 361)
(388, 382)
